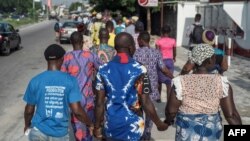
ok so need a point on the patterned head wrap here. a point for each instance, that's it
(201, 52)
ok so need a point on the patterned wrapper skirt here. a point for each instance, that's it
(198, 127)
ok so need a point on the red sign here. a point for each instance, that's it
(148, 3)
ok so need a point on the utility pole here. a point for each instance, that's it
(33, 10)
(162, 12)
(149, 20)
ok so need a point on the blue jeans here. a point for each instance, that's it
(36, 135)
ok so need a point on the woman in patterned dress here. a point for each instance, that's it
(196, 99)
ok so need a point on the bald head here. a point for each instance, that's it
(124, 41)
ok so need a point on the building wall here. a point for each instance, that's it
(213, 17)
(185, 17)
(236, 10)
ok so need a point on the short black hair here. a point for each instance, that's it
(103, 33)
(76, 37)
(166, 29)
(109, 25)
(144, 36)
(139, 26)
(123, 40)
(197, 17)
(119, 20)
(54, 52)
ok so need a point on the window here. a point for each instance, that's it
(10, 28)
(1, 27)
(70, 25)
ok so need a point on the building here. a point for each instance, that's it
(230, 18)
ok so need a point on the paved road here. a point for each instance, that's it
(15, 72)
(17, 69)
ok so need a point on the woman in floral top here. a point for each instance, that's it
(196, 99)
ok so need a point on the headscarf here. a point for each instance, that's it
(201, 52)
(208, 37)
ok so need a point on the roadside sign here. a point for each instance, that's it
(148, 3)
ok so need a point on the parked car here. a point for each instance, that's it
(9, 38)
(67, 29)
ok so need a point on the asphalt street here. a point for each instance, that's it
(17, 69)
(15, 72)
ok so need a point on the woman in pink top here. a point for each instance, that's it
(196, 100)
(167, 47)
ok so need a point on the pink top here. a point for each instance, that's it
(166, 46)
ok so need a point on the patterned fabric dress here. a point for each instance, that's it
(118, 79)
(104, 52)
(198, 118)
(152, 60)
(81, 65)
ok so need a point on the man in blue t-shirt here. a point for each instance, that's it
(49, 96)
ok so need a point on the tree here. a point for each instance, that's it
(125, 6)
(17, 6)
(7, 5)
(74, 6)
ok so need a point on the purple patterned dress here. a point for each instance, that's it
(152, 60)
(81, 64)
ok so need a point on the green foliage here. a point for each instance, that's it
(74, 6)
(19, 23)
(17, 6)
(125, 6)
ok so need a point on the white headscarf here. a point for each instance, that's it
(201, 52)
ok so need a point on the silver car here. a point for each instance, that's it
(66, 30)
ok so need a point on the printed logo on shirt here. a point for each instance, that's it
(59, 115)
(146, 88)
(54, 99)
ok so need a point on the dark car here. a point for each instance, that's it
(9, 38)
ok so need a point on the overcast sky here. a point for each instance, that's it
(58, 2)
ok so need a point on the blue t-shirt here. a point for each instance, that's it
(52, 92)
(119, 29)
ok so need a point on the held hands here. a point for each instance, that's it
(25, 129)
(161, 126)
(91, 129)
(98, 133)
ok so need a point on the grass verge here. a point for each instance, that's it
(20, 22)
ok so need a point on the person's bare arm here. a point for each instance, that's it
(80, 114)
(167, 72)
(224, 64)
(187, 68)
(229, 110)
(149, 109)
(172, 107)
(156, 46)
(99, 113)
(174, 54)
(144, 89)
(99, 107)
(28, 114)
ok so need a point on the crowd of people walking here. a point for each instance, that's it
(111, 80)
